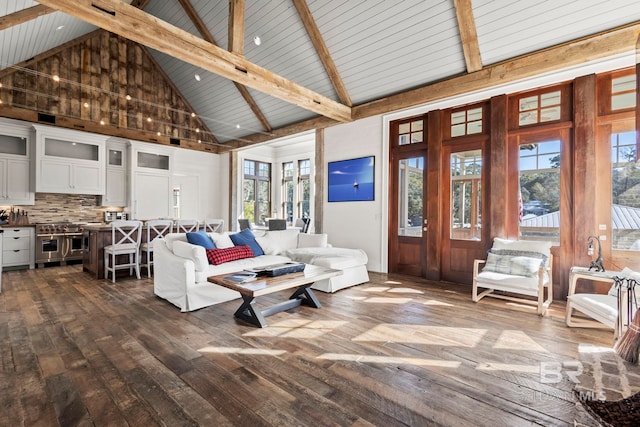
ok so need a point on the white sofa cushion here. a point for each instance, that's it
(312, 240)
(221, 240)
(278, 241)
(337, 258)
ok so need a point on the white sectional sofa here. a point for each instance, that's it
(181, 268)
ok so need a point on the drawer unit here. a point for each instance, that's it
(18, 248)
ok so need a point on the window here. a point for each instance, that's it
(410, 196)
(304, 188)
(411, 132)
(466, 195)
(623, 92)
(466, 122)
(625, 182)
(287, 190)
(256, 191)
(544, 107)
(539, 196)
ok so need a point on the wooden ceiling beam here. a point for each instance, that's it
(322, 50)
(136, 25)
(206, 34)
(24, 15)
(236, 26)
(598, 46)
(468, 35)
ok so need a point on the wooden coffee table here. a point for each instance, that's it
(264, 285)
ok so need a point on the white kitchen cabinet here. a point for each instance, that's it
(152, 196)
(151, 175)
(18, 247)
(14, 182)
(117, 172)
(15, 177)
(69, 162)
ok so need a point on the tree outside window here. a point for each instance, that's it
(625, 188)
(540, 191)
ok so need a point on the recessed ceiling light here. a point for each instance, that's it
(128, 97)
(102, 122)
(199, 141)
(197, 77)
(238, 126)
(257, 40)
(149, 119)
(0, 84)
(59, 27)
(56, 78)
(159, 133)
(197, 130)
(193, 114)
(85, 105)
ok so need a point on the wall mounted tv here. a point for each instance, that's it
(351, 180)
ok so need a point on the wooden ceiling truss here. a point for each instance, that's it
(131, 22)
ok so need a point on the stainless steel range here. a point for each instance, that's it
(59, 242)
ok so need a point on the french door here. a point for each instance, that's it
(407, 206)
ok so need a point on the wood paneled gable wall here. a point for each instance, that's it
(96, 75)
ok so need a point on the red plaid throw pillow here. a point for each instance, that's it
(219, 256)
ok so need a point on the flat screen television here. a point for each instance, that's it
(351, 180)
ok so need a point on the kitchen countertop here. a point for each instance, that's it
(97, 226)
(16, 225)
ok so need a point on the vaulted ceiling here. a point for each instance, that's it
(322, 62)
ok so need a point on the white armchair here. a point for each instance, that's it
(598, 310)
(522, 267)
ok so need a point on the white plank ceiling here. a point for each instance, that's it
(379, 47)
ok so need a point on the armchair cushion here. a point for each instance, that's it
(542, 247)
(529, 254)
(512, 264)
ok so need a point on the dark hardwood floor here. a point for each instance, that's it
(395, 351)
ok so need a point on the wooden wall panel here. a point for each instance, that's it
(96, 73)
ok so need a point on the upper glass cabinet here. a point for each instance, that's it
(15, 145)
(71, 150)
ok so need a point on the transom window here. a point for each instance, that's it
(411, 132)
(544, 107)
(623, 92)
(466, 122)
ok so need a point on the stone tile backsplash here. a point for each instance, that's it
(50, 207)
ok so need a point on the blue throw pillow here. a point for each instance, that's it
(246, 237)
(201, 238)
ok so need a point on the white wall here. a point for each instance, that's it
(358, 224)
